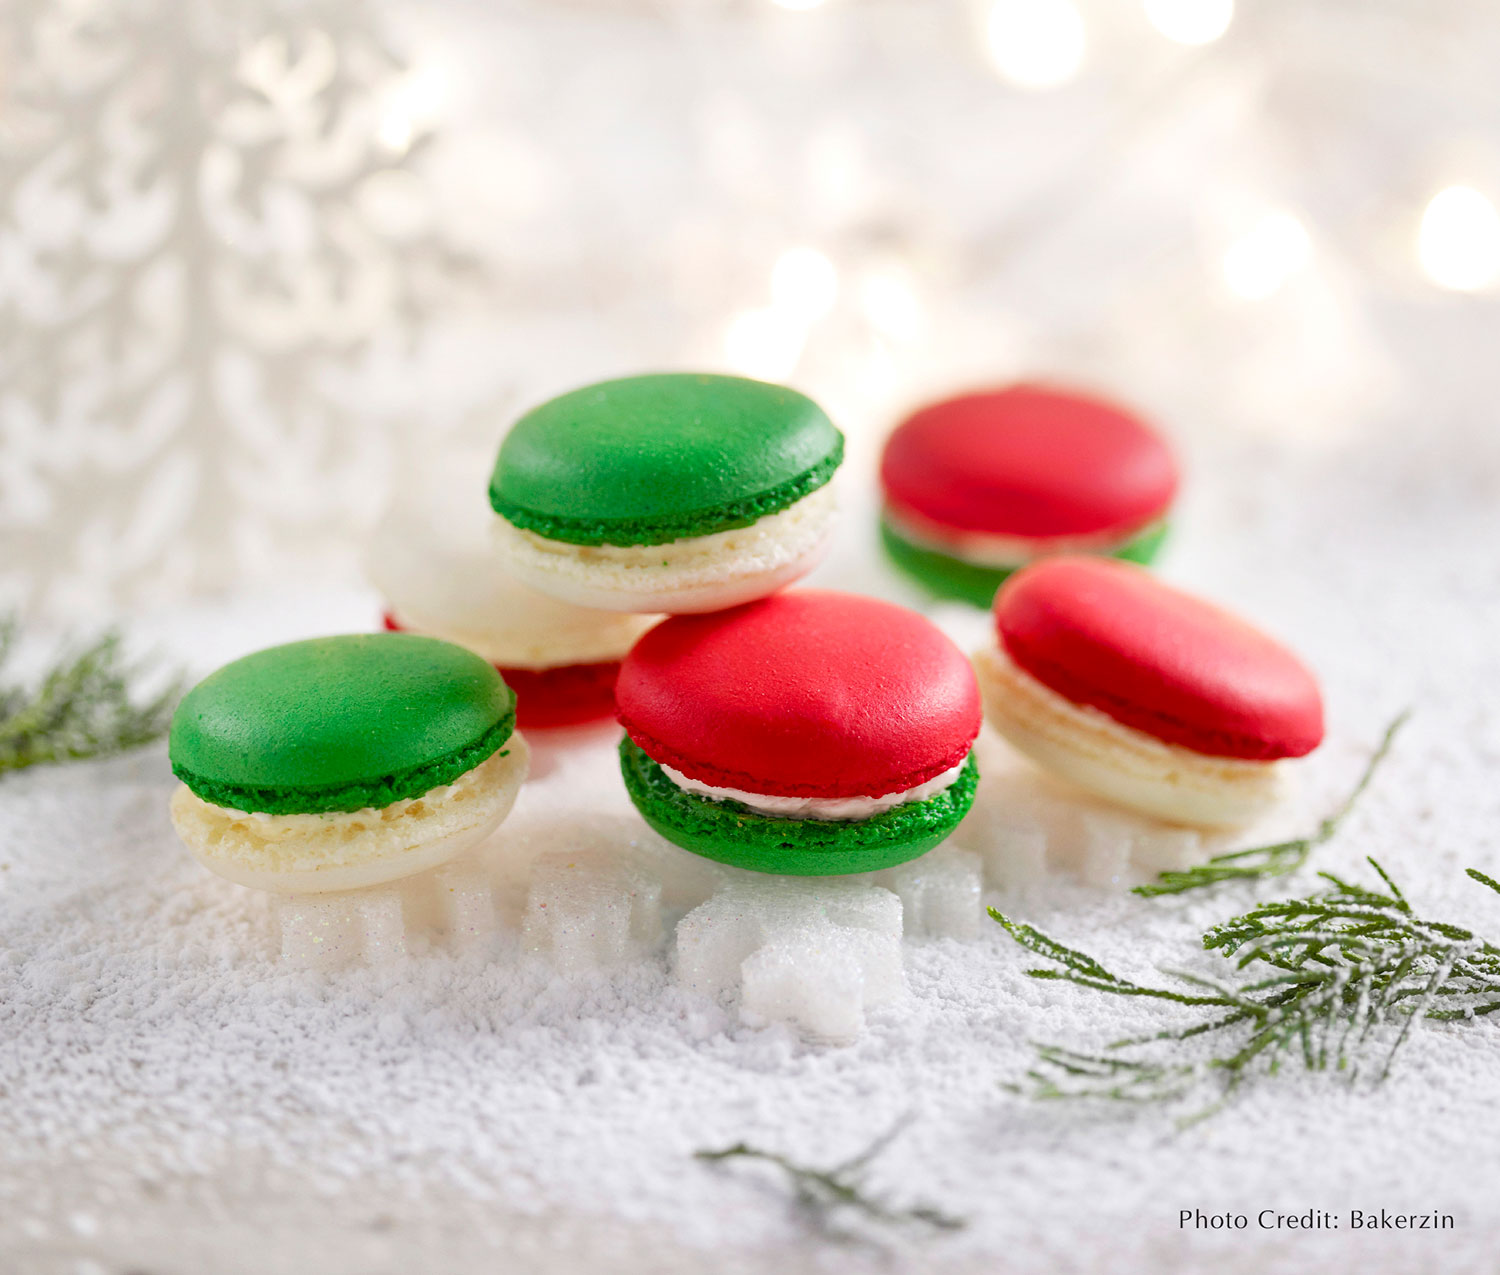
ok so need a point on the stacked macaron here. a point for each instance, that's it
(802, 733)
(434, 561)
(673, 492)
(1145, 695)
(978, 486)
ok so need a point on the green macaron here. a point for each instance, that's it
(650, 459)
(734, 834)
(339, 724)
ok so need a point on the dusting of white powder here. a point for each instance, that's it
(172, 1099)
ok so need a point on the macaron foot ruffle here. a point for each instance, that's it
(730, 833)
(351, 850)
(1126, 766)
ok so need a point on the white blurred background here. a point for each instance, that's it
(259, 258)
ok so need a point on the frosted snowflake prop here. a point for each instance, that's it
(206, 221)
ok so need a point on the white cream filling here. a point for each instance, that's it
(986, 549)
(829, 808)
(274, 827)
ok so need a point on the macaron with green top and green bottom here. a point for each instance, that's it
(978, 486)
(672, 492)
(343, 762)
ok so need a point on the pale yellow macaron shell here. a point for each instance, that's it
(434, 559)
(318, 853)
(1126, 766)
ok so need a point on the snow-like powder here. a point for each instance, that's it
(174, 1098)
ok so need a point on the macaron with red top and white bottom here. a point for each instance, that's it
(433, 559)
(1145, 695)
(810, 733)
(978, 486)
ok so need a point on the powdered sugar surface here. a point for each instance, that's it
(174, 1099)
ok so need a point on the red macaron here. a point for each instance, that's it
(1029, 461)
(979, 485)
(1145, 695)
(808, 733)
(567, 695)
(1112, 637)
(808, 693)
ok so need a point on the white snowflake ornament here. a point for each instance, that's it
(817, 953)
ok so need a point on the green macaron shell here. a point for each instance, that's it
(650, 459)
(948, 577)
(339, 723)
(731, 833)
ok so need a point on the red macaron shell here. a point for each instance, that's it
(1029, 461)
(1111, 636)
(568, 695)
(565, 695)
(806, 694)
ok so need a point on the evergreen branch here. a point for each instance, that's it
(1081, 968)
(1284, 857)
(824, 1194)
(1475, 874)
(84, 706)
(1325, 978)
(1066, 1073)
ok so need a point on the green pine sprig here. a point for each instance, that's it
(85, 705)
(1284, 857)
(826, 1195)
(1335, 980)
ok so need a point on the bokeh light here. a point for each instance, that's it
(1036, 44)
(1458, 244)
(891, 304)
(1190, 21)
(804, 282)
(1259, 263)
(764, 343)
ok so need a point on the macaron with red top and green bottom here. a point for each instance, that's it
(435, 563)
(674, 492)
(1145, 695)
(977, 486)
(810, 733)
(343, 762)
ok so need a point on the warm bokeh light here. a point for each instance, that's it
(798, 5)
(804, 282)
(1036, 44)
(1258, 264)
(765, 344)
(1458, 244)
(1190, 21)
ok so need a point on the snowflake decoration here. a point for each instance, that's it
(207, 220)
